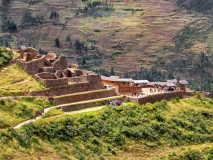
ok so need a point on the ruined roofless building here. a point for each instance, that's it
(52, 70)
(32, 62)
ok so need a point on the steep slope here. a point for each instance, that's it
(15, 81)
(14, 111)
(125, 35)
(131, 31)
(130, 132)
(197, 5)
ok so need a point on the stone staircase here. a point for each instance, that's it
(80, 100)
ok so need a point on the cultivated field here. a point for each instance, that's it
(128, 37)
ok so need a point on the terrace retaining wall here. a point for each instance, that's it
(157, 97)
(68, 89)
(83, 97)
(73, 107)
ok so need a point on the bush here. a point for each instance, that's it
(197, 95)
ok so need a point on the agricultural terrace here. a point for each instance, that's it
(133, 31)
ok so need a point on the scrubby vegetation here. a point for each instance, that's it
(116, 131)
(197, 5)
(194, 154)
(5, 56)
(28, 19)
(14, 111)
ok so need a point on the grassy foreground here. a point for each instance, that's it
(15, 81)
(151, 131)
(14, 111)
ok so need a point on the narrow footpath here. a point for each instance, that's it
(65, 113)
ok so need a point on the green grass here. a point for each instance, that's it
(116, 133)
(5, 56)
(15, 81)
(204, 152)
(14, 111)
(53, 112)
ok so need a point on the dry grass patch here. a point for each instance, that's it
(15, 81)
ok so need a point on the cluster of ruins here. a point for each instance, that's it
(52, 70)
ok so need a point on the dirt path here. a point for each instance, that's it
(26, 80)
(66, 113)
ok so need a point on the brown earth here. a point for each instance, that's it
(127, 40)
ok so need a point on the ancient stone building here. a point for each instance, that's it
(52, 70)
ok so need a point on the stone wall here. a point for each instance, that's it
(128, 89)
(60, 74)
(60, 64)
(73, 107)
(45, 75)
(34, 52)
(84, 96)
(94, 78)
(47, 69)
(158, 97)
(68, 89)
(79, 79)
(113, 83)
(32, 67)
(55, 82)
(50, 80)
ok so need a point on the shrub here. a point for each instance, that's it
(197, 95)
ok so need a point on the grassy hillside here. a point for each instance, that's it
(14, 111)
(151, 131)
(15, 81)
(195, 153)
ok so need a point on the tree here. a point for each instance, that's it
(9, 26)
(54, 16)
(68, 39)
(112, 71)
(28, 19)
(57, 43)
(5, 2)
(68, 42)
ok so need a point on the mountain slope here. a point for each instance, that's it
(129, 36)
(198, 5)
(131, 132)
(129, 32)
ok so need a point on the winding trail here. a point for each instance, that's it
(65, 113)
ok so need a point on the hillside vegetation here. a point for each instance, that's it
(151, 131)
(14, 111)
(14, 81)
(5, 56)
(99, 35)
(197, 5)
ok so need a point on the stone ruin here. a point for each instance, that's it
(52, 70)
